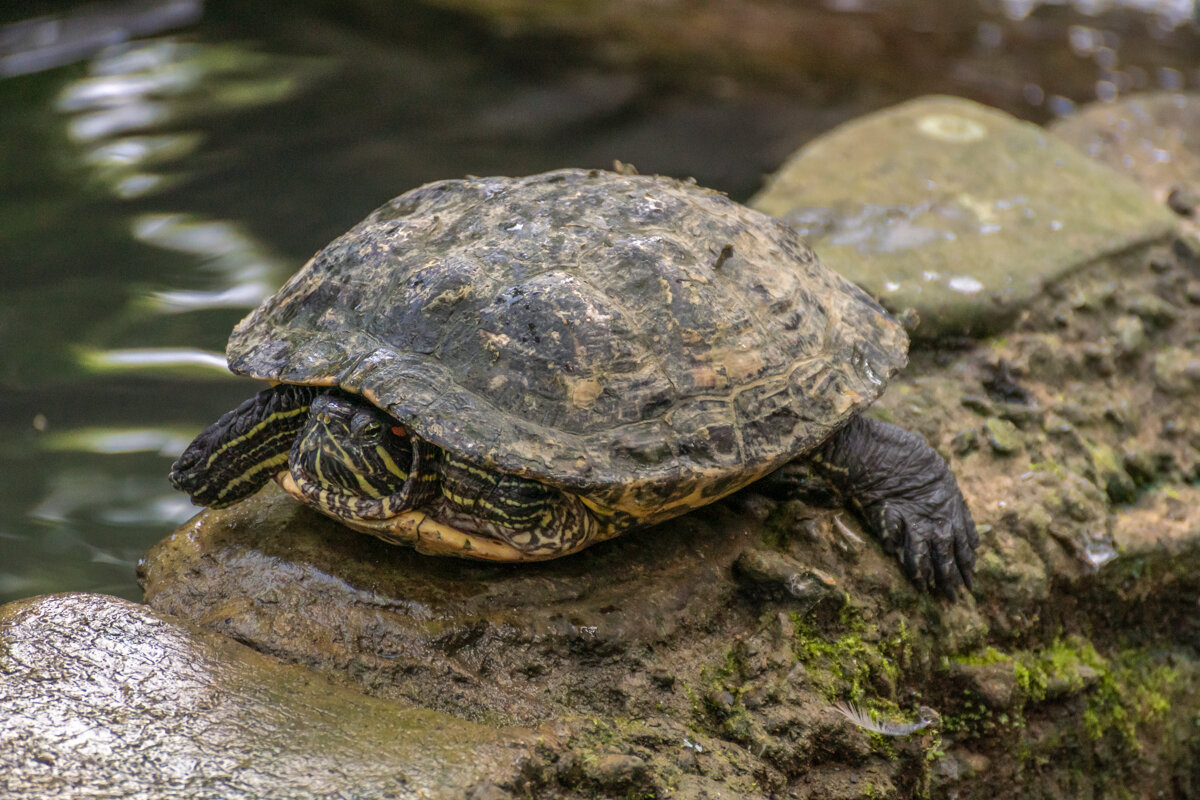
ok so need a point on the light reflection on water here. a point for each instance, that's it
(118, 440)
(158, 360)
(245, 273)
(167, 185)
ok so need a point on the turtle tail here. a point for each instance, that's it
(235, 456)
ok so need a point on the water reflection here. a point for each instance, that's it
(137, 87)
(125, 164)
(52, 41)
(119, 440)
(113, 501)
(140, 122)
(246, 272)
(156, 360)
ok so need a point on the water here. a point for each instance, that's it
(155, 190)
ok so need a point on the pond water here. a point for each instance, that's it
(156, 189)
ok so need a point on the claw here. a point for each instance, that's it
(892, 529)
(946, 574)
(908, 497)
(916, 560)
(964, 554)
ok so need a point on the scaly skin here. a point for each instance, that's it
(906, 495)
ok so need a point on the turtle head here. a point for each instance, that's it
(351, 457)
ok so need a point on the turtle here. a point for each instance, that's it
(514, 369)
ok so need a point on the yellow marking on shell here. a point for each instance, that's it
(494, 343)
(704, 376)
(599, 509)
(738, 363)
(697, 497)
(668, 297)
(846, 401)
(584, 392)
(631, 501)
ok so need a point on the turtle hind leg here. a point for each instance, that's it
(235, 456)
(905, 494)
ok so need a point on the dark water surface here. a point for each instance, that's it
(155, 190)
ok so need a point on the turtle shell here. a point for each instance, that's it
(636, 339)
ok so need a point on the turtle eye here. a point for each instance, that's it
(366, 427)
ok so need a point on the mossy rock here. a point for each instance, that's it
(957, 210)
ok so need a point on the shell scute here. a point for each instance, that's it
(639, 339)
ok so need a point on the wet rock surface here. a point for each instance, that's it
(485, 641)
(105, 698)
(956, 210)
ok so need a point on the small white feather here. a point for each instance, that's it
(863, 719)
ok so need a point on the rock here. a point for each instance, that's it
(1072, 678)
(964, 442)
(957, 764)
(618, 771)
(995, 683)
(1149, 137)
(1192, 292)
(106, 698)
(773, 570)
(1111, 474)
(1177, 371)
(1130, 333)
(487, 791)
(1155, 312)
(1187, 250)
(1002, 435)
(476, 639)
(957, 210)
(1163, 524)
(685, 647)
(1182, 201)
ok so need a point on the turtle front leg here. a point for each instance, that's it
(235, 456)
(904, 492)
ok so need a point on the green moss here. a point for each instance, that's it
(1110, 473)
(845, 667)
(1126, 695)
(971, 719)
(1132, 695)
(989, 655)
(735, 662)
(1049, 465)
(1031, 683)
(737, 724)
(899, 646)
